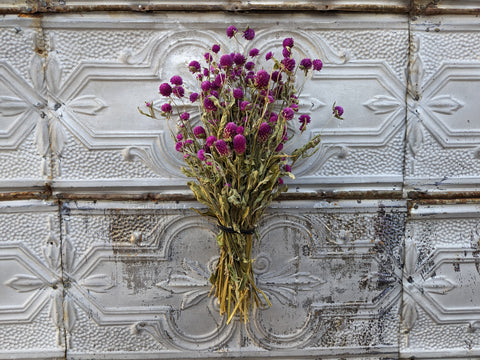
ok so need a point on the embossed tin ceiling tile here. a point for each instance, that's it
(443, 127)
(31, 293)
(138, 285)
(441, 307)
(108, 68)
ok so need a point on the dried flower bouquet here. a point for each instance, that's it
(236, 154)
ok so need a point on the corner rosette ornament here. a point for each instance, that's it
(236, 155)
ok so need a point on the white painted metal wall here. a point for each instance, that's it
(373, 254)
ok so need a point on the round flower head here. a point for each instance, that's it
(264, 131)
(286, 52)
(317, 65)
(208, 57)
(231, 31)
(166, 108)
(244, 105)
(254, 52)
(249, 65)
(179, 137)
(261, 79)
(178, 91)
(338, 112)
(165, 89)
(201, 155)
(216, 48)
(230, 130)
(239, 144)
(304, 119)
(287, 168)
(194, 66)
(273, 117)
(240, 129)
(185, 116)
(210, 141)
(288, 63)
(249, 33)
(276, 76)
(238, 93)
(193, 97)
(268, 56)
(226, 61)
(288, 42)
(205, 85)
(279, 147)
(209, 105)
(239, 59)
(179, 146)
(220, 80)
(206, 72)
(176, 80)
(288, 113)
(306, 64)
(222, 147)
(199, 132)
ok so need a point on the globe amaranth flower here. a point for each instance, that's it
(208, 57)
(238, 93)
(249, 34)
(230, 130)
(231, 31)
(199, 132)
(280, 181)
(226, 61)
(261, 79)
(288, 64)
(254, 52)
(176, 80)
(287, 168)
(269, 55)
(288, 42)
(178, 91)
(250, 77)
(216, 48)
(166, 108)
(249, 65)
(165, 89)
(194, 67)
(220, 80)
(304, 119)
(179, 137)
(273, 117)
(264, 131)
(279, 147)
(317, 64)
(239, 59)
(201, 155)
(338, 112)
(185, 116)
(240, 130)
(206, 72)
(193, 97)
(205, 85)
(286, 52)
(239, 144)
(214, 93)
(288, 113)
(210, 141)
(245, 105)
(276, 76)
(179, 146)
(209, 105)
(222, 147)
(306, 64)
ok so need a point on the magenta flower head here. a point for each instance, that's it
(231, 31)
(249, 65)
(205, 85)
(216, 48)
(280, 181)
(176, 80)
(230, 130)
(279, 147)
(288, 42)
(273, 117)
(208, 57)
(185, 116)
(288, 64)
(286, 52)
(178, 91)
(249, 34)
(317, 64)
(254, 52)
(179, 136)
(193, 97)
(179, 146)
(240, 129)
(245, 105)
(264, 131)
(304, 119)
(222, 147)
(338, 112)
(209, 105)
(210, 141)
(165, 89)
(220, 80)
(239, 59)
(238, 93)
(166, 108)
(261, 79)
(288, 168)
(306, 64)
(239, 144)
(268, 56)
(288, 113)
(201, 155)
(199, 132)
(194, 66)
(226, 61)
(276, 76)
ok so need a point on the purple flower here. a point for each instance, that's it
(206, 72)
(201, 155)
(264, 131)
(279, 147)
(185, 116)
(249, 65)
(239, 59)
(250, 77)
(179, 146)
(222, 147)
(208, 57)
(194, 66)
(317, 64)
(188, 141)
(288, 42)
(179, 137)
(239, 144)
(205, 85)
(273, 117)
(238, 93)
(240, 130)
(216, 48)
(165, 89)
(276, 76)
(249, 33)
(261, 79)
(193, 97)
(244, 105)
(214, 93)
(210, 141)
(220, 80)
(268, 56)
(338, 112)
(167, 108)
(176, 80)
(231, 31)
(199, 132)
(280, 181)
(178, 91)
(304, 119)
(288, 63)
(306, 64)
(288, 113)
(287, 168)
(254, 52)
(230, 130)
(226, 61)
(286, 53)
(209, 105)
